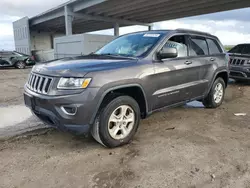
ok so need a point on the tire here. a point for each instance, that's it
(20, 65)
(211, 101)
(104, 128)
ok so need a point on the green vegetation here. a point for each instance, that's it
(228, 47)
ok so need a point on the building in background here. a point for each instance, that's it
(37, 34)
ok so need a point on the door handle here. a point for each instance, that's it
(188, 62)
(212, 59)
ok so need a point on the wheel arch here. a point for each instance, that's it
(126, 90)
(223, 74)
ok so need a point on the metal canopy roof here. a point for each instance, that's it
(92, 15)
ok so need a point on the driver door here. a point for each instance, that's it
(175, 76)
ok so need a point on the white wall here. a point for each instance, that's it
(43, 40)
(45, 55)
(22, 35)
(80, 44)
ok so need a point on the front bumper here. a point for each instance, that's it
(30, 62)
(240, 72)
(49, 109)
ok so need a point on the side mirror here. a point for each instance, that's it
(167, 52)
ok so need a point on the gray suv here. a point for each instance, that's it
(109, 91)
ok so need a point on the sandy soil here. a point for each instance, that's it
(11, 84)
(182, 147)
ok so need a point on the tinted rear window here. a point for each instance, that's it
(198, 46)
(213, 46)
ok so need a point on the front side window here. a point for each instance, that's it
(198, 46)
(178, 42)
(213, 46)
(132, 45)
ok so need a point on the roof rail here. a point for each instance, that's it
(190, 30)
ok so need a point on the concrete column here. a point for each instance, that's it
(116, 29)
(68, 14)
(150, 27)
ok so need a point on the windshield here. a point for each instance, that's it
(241, 49)
(133, 45)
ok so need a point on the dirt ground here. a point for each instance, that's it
(11, 85)
(182, 147)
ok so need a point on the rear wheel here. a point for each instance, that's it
(20, 65)
(216, 94)
(117, 122)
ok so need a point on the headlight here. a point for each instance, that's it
(248, 61)
(73, 83)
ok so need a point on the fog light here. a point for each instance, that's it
(69, 110)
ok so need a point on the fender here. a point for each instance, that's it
(115, 88)
(215, 75)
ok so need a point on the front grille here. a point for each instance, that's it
(237, 61)
(39, 83)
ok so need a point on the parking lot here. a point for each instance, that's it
(187, 146)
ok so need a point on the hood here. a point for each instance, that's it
(80, 66)
(239, 55)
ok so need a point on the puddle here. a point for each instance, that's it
(13, 115)
(194, 104)
(230, 81)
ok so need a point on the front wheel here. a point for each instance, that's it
(216, 94)
(117, 122)
(20, 65)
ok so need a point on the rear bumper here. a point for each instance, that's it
(240, 72)
(49, 109)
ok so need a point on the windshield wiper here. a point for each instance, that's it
(119, 55)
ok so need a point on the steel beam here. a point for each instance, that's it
(110, 4)
(47, 17)
(136, 6)
(180, 7)
(86, 4)
(148, 7)
(109, 19)
(205, 10)
(195, 10)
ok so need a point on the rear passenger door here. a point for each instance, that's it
(199, 55)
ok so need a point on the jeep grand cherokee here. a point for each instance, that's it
(240, 62)
(109, 91)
